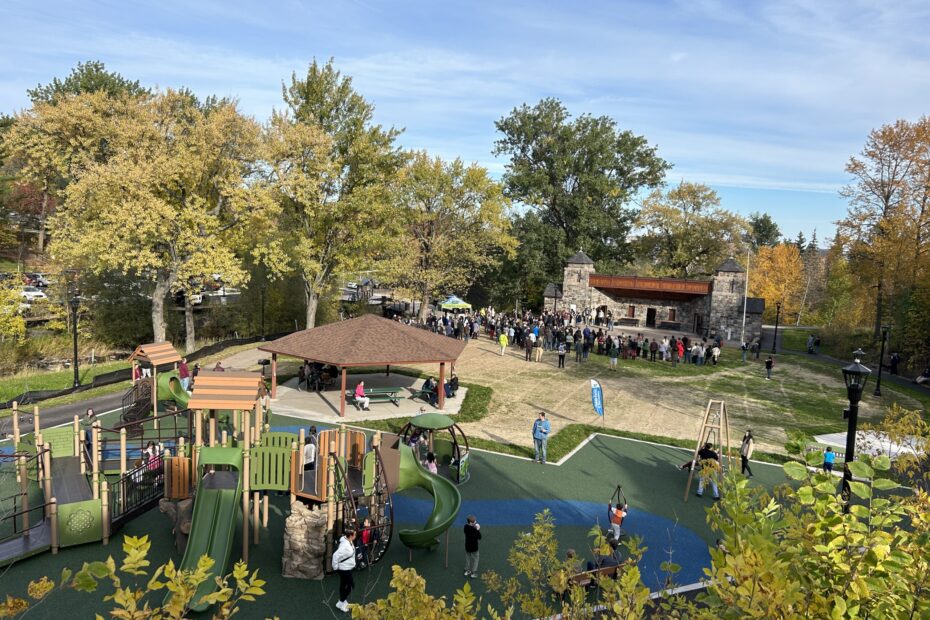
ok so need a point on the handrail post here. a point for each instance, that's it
(122, 452)
(36, 426)
(24, 487)
(53, 524)
(245, 503)
(47, 471)
(82, 454)
(77, 433)
(16, 438)
(95, 459)
(105, 511)
(301, 442)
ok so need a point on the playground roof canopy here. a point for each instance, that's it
(432, 421)
(156, 354)
(367, 340)
(226, 390)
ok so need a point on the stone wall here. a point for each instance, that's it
(726, 305)
(304, 554)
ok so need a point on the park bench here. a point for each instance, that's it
(589, 578)
(377, 395)
(673, 325)
(424, 395)
(627, 321)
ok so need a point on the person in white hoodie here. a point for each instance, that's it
(344, 564)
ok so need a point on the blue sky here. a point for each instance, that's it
(763, 101)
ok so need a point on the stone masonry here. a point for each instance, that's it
(304, 542)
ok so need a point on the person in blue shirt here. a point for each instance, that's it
(541, 430)
(828, 458)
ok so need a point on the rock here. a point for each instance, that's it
(180, 513)
(304, 543)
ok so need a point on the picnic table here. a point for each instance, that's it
(377, 395)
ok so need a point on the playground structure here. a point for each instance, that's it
(141, 400)
(452, 453)
(715, 429)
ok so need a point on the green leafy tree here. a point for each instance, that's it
(332, 171)
(12, 323)
(579, 174)
(171, 198)
(763, 231)
(410, 601)
(87, 77)
(132, 586)
(686, 233)
(455, 220)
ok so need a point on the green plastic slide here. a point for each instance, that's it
(169, 388)
(216, 511)
(446, 498)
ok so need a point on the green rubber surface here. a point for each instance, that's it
(169, 386)
(446, 501)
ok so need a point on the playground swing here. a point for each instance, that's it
(617, 511)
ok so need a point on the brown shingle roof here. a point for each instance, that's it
(368, 340)
(156, 354)
(226, 390)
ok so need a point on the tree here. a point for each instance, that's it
(132, 601)
(331, 171)
(909, 433)
(12, 323)
(579, 174)
(88, 77)
(686, 233)
(455, 218)
(779, 277)
(763, 231)
(171, 198)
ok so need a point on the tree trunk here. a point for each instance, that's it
(163, 283)
(41, 241)
(190, 340)
(313, 300)
(424, 304)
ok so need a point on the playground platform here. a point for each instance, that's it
(324, 406)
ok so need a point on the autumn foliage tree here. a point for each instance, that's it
(778, 276)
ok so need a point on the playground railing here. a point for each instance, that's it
(24, 516)
(170, 428)
(137, 491)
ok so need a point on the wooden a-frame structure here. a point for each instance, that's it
(717, 423)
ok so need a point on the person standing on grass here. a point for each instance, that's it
(502, 341)
(344, 564)
(769, 363)
(561, 355)
(528, 346)
(828, 459)
(541, 429)
(538, 349)
(472, 536)
(614, 353)
(745, 453)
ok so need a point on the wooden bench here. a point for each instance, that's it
(589, 578)
(674, 325)
(627, 321)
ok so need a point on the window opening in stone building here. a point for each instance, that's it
(671, 314)
(631, 312)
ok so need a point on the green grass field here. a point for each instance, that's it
(13, 385)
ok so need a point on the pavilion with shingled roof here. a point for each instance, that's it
(367, 340)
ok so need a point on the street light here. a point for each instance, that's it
(75, 303)
(855, 375)
(881, 360)
(777, 316)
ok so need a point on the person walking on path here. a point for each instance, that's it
(541, 428)
(745, 452)
(561, 355)
(769, 363)
(502, 341)
(472, 536)
(344, 564)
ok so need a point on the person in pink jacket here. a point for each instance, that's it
(360, 399)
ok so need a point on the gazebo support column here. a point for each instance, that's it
(388, 370)
(274, 376)
(342, 395)
(441, 388)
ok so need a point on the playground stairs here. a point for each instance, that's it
(68, 483)
(137, 403)
(38, 541)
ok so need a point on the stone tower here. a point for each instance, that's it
(575, 288)
(726, 300)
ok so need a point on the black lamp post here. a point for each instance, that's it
(777, 316)
(881, 360)
(855, 375)
(75, 303)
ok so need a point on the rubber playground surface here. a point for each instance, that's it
(504, 493)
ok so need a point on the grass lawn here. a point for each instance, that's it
(14, 385)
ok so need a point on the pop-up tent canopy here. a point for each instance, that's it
(454, 303)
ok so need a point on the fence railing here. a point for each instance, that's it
(137, 491)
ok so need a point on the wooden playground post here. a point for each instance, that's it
(37, 427)
(77, 431)
(224, 437)
(105, 511)
(301, 439)
(82, 437)
(16, 436)
(95, 459)
(259, 425)
(24, 490)
(122, 452)
(245, 503)
(213, 428)
(331, 497)
(47, 470)
(441, 388)
(342, 395)
(53, 523)
(155, 396)
(181, 448)
(198, 440)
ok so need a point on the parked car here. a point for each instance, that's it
(37, 279)
(32, 293)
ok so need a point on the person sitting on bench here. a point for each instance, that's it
(606, 561)
(429, 391)
(452, 386)
(361, 400)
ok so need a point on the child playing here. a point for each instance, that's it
(472, 536)
(828, 458)
(431, 463)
